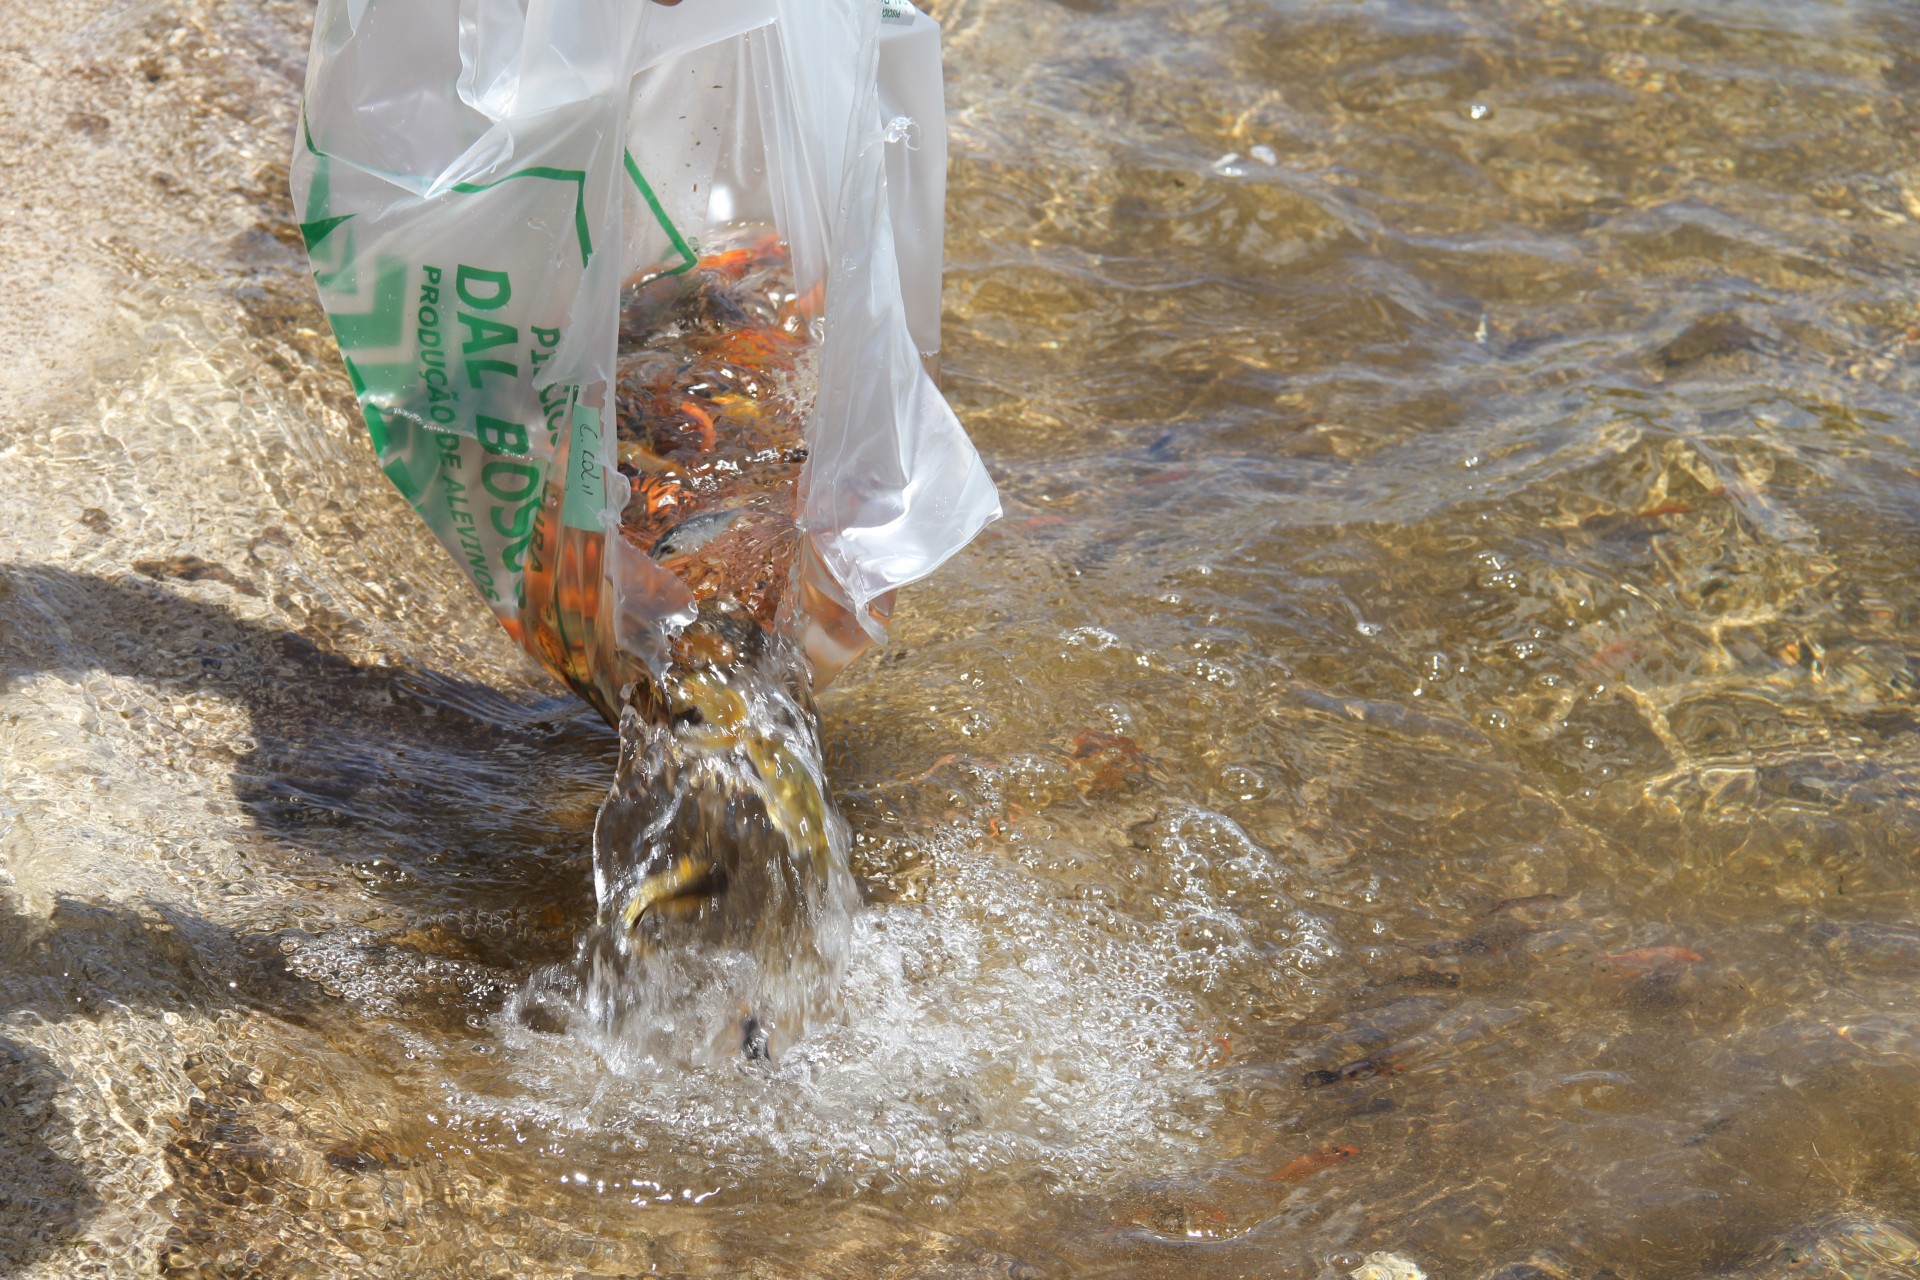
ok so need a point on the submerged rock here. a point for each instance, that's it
(1853, 1247)
(1387, 1266)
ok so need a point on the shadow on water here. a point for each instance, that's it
(44, 1199)
(425, 787)
(447, 800)
(274, 1119)
(80, 962)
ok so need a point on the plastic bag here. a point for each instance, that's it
(476, 181)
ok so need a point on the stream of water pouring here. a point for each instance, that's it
(720, 868)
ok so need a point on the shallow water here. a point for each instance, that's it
(1426, 765)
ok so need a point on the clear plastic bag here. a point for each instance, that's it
(477, 180)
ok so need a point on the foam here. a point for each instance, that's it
(999, 1025)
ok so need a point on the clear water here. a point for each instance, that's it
(720, 873)
(1425, 766)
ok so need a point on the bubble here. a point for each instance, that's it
(1243, 782)
(994, 1025)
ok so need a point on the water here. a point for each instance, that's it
(1425, 766)
(720, 873)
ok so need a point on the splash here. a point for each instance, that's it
(720, 869)
(994, 1026)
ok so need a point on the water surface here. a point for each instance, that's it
(1426, 765)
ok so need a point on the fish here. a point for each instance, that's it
(1305, 1166)
(1359, 1069)
(712, 394)
(1651, 959)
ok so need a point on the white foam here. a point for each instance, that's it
(1000, 1025)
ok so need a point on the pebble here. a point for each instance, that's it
(1387, 1266)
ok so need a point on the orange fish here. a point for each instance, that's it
(1311, 1163)
(710, 413)
(1612, 656)
(1111, 761)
